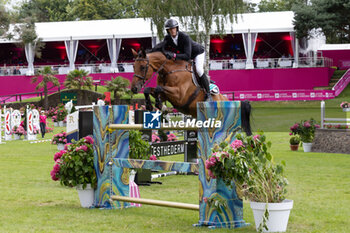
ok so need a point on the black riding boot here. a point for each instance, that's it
(205, 85)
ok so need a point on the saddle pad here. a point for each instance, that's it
(214, 89)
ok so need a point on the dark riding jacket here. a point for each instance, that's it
(186, 48)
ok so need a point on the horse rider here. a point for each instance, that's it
(178, 45)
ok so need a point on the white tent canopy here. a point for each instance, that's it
(139, 27)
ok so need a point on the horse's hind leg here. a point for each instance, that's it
(147, 91)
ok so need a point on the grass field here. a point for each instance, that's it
(319, 184)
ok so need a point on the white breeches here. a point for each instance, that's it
(199, 61)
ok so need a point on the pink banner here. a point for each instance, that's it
(292, 95)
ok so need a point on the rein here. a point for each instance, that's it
(145, 83)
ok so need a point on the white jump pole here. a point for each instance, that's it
(156, 202)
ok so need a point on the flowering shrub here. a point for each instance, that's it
(59, 138)
(248, 163)
(153, 157)
(61, 114)
(344, 105)
(35, 130)
(75, 164)
(337, 126)
(305, 129)
(19, 130)
(54, 119)
(171, 137)
(51, 112)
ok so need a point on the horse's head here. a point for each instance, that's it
(142, 70)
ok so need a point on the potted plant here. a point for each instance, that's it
(306, 131)
(294, 143)
(345, 106)
(74, 167)
(59, 139)
(18, 131)
(61, 115)
(249, 164)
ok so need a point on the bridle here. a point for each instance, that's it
(143, 78)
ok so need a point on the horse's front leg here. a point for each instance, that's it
(158, 91)
(147, 91)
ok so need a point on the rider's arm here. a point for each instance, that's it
(186, 41)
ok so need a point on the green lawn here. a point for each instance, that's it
(319, 185)
(31, 202)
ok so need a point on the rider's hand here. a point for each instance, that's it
(169, 55)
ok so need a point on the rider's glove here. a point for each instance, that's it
(169, 55)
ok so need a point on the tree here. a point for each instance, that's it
(279, 5)
(79, 79)
(103, 9)
(197, 15)
(47, 75)
(332, 17)
(4, 20)
(45, 10)
(119, 87)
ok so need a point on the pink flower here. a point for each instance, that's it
(53, 175)
(236, 144)
(153, 157)
(58, 155)
(155, 138)
(66, 146)
(256, 137)
(307, 124)
(65, 140)
(56, 167)
(60, 135)
(210, 173)
(84, 148)
(290, 133)
(89, 140)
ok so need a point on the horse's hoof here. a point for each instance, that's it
(164, 108)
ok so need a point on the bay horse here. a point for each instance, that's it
(174, 84)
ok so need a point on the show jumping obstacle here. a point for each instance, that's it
(111, 148)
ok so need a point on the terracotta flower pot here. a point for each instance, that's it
(294, 147)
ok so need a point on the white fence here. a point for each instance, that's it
(332, 121)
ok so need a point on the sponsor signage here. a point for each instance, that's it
(168, 148)
(65, 97)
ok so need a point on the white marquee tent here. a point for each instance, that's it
(249, 25)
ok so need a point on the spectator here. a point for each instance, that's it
(42, 123)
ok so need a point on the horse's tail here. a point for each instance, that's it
(245, 117)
